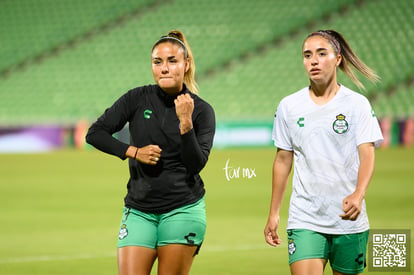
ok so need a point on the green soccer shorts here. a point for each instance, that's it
(346, 253)
(184, 225)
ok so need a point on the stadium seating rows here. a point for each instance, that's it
(33, 27)
(388, 52)
(241, 71)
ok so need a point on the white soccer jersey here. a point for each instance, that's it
(324, 140)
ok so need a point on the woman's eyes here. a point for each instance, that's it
(158, 62)
(307, 56)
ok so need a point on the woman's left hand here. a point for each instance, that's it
(184, 107)
(352, 205)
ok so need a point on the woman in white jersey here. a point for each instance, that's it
(329, 133)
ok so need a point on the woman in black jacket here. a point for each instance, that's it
(172, 131)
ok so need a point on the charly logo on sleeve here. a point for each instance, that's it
(147, 114)
(340, 125)
(301, 122)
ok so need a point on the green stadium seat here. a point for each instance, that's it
(240, 81)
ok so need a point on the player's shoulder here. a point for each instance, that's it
(353, 97)
(143, 90)
(298, 94)
(294, 98)
(139, 94)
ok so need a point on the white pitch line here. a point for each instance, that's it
(218, 248)
(51, 258)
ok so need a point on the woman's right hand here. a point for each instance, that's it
(149, 154)
(270, 231)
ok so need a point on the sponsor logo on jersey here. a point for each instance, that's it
(147, 114)
(301, 122)
(190, 235)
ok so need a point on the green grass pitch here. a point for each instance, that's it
(59, 212)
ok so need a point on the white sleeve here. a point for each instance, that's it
(368, 126)
(280, 133)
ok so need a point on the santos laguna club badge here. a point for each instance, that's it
(123, 232)
(340, 125)
(291, 247)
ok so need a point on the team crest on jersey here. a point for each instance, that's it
(123, 232)
(340, 125)
(291, 247)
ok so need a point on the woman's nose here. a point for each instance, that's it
(164, 68)
(314, 61)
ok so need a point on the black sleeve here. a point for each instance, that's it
(113, 120)
(197, 143)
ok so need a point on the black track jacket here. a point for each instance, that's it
(150, 112)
